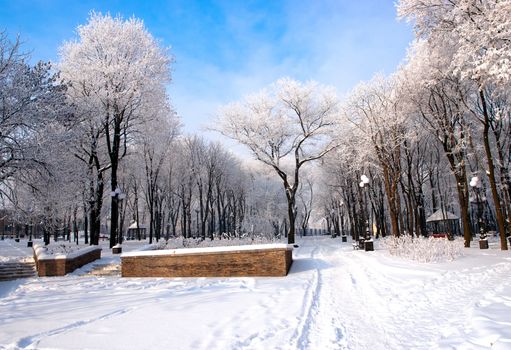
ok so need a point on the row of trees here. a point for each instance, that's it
(99, 129)
(422, 133)
(102, 130)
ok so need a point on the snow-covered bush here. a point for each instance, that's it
(175, 243)
(423, 249)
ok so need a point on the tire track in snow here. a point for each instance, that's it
(264, 315)
(359, 311)
(307, 313)
(415, 304)
(269, 311)
(309, 310)
(322, 328)
(25, 342)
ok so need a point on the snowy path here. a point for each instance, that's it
(371, 301)
(333, 298)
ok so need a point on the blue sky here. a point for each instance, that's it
(224, 50)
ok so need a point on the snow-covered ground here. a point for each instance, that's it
(333, 298)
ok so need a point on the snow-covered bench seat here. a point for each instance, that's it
(61, 264)
(234, 261)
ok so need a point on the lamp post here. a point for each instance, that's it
(364, 184)
(30, 227)
(120, 199)
(341, 223)
(476, 186)
(368, 242)
(118, 196)
(30, 243)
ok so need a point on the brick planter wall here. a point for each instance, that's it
(263, 260)
(60, 265)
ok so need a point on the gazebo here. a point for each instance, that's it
(442, 223)
(132, 231)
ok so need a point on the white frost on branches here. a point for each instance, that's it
(288, 118)
(115, 62)
(478, 30)
(285, 126)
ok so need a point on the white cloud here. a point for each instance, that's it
(319, 42)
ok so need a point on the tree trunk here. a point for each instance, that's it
(151, 224)
(391, 199)
(85, 224)
(114, 205)
(290, 194)
(491, 175)
(464, 203)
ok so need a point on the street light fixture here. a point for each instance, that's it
(118, 196)
(30, 226)
(364, 183)
(341, 223)
(476, 186)
(368, 242)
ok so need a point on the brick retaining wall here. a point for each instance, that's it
(63, 264)
(209, 262)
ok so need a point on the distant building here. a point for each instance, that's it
(443, 222)
(134, 233)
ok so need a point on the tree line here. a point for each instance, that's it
(97, 129)
(434, 135)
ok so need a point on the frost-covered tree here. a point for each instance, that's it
(155, 143)
(285, 126)
(30, 100)
(376, 110)
(305, 200)
(266, 203)
(478, 29)
(117, 68)
(472, 40)
(440, 99)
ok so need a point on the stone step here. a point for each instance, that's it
(7, 265)
(11, 271)
(16, 265)
(16, 276)
(14, 270)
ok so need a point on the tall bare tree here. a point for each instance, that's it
(119, 68)
(285, 126)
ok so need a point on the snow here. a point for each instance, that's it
(11, 251)
(333, 298)
(61, 251)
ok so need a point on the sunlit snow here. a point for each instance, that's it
(333, 298)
